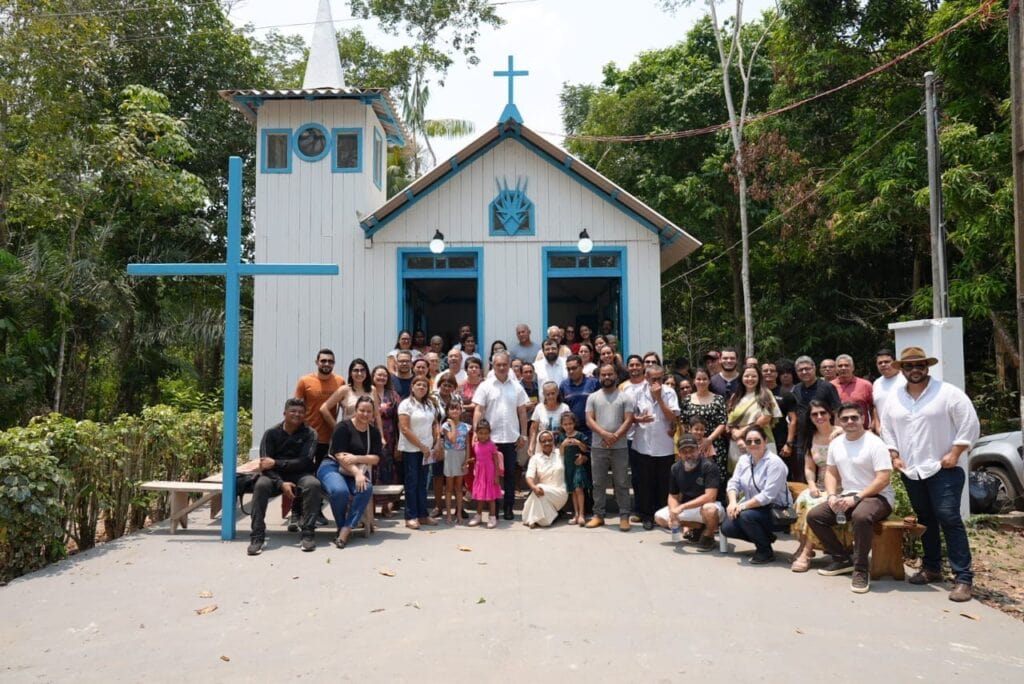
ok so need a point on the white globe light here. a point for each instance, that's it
(585, 244)
(437, 243)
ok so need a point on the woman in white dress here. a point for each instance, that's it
(545, 476)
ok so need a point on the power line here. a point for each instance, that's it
(694, 132)
(803, 200)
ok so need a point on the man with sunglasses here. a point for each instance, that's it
(928, 426)
(857, 483)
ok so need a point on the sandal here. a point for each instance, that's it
(412, 524)
(801, 564)
(340, 543)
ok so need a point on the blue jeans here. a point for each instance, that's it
(753, 525)
(936, 501)
(340, 490)
(415, 484)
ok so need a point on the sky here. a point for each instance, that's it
(557, 41)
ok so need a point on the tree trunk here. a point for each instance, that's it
(748, 318)
(1004, 338)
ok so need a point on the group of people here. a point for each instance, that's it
(716, 448)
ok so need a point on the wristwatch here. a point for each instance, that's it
(856, 498)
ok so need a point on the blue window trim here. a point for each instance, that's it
(495, 231)
(547, 272)
(323, 130)
(358, 168)
(378, 158)
(264, 134)
(423, 273)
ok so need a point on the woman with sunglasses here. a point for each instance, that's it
(815, 448)
(757, 486)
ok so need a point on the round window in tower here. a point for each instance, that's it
(312, 142)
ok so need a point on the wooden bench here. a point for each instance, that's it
(368, 514)
(210, 489)
(179, 495)
(887, 547)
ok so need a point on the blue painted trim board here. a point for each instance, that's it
(264, 135)
(546, 272)
(232, 269)
(358, 132)
(451, 273)
(378, 158)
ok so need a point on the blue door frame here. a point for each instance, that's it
(477, 273)
(589, 272)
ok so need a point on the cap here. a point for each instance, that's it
(687, 440)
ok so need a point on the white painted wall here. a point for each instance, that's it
(308, 215)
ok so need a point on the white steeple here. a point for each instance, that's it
(323, 70)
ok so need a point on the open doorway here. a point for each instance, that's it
(440, 306)
(586, 288)
(583, 301)
(440, 293)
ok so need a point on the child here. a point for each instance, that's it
(456, 452)
(575, 446)
(489, 466)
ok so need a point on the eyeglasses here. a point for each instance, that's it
(805, 369)
(819, 414)
(754, 441)
(849, 419)
(650, 362)
(917, 365)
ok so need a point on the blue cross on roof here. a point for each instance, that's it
(511, 111)
(232, 269)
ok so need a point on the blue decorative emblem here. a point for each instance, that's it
(511, 212)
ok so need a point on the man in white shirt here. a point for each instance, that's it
(889, 380)
(502, 401)
(551, 366)
(654, 416)
(928, 426)
(860, 464)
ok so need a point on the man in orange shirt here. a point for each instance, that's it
(314, 389)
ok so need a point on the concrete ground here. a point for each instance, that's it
(470, 604)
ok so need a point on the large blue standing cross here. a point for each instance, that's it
(511, 111)
(232, 269)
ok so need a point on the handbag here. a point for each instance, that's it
(782, 516)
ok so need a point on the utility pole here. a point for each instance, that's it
(1017, 122)
(940, 285)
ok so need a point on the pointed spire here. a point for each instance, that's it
(323, 70)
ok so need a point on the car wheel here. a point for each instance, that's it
(1007, 498)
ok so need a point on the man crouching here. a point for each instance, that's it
(693, 495)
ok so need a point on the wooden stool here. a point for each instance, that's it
(887, 547)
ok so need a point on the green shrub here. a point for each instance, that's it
(89, 472)
(32, 511)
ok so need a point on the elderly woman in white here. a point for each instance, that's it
(545, 476)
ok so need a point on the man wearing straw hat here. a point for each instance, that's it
(928, 425)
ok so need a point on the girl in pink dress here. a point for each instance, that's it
(488, 470)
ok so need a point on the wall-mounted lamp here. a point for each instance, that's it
(437, 242)
(585, 244)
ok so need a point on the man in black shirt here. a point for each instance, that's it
(725, 382)
(809, 387)
(286, 465)
(693, 495)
